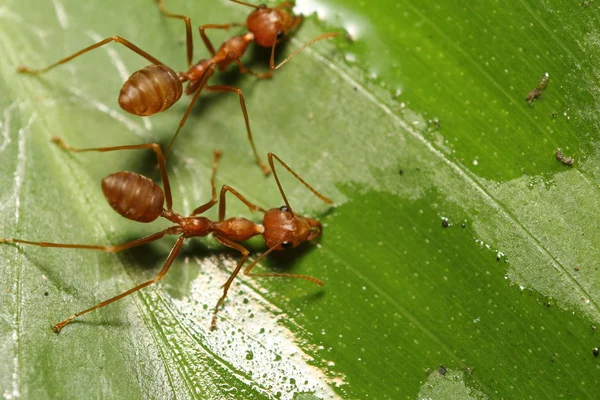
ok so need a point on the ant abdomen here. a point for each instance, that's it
(133, 196)
(150, 90)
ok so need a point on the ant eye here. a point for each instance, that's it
(284, 209)
(280, 35)
(287, 245)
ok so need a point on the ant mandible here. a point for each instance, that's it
(138, 198)
(157, 87)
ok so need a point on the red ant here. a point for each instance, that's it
(157, 87)
(138, 198)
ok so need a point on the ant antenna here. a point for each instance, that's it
(246, 4)
(299, 49)
(319, 195)
(249, 268)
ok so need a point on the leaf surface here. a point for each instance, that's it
(421, 117)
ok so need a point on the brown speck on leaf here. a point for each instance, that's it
(442, 370)
(534, 94)
(564, 159)
(539, 90)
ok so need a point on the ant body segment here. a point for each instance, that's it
(156, 87)
(138, 198)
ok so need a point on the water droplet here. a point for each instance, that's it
(350, 57)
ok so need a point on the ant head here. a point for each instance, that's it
(270, 25)
(285, 229)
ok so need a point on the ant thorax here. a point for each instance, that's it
(232, 49)
(237, 229)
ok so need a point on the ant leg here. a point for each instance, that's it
(287, 4)
(57, 328)
(224, 190)
(245, 70)
(111, 249)
(213, 200)
(118, 39)
(291, 171)
(299, 49)
(245, 252)
(157, 150)
(305, 277)
(205, 38)
(238, 91)
(248, 4)
(188, 30)
(209, 72)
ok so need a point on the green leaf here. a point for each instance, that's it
(417, 116)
